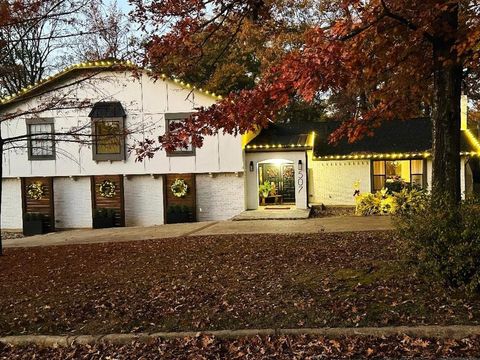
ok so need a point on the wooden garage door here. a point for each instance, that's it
(40, 203)
(115, 202)
(188, 200)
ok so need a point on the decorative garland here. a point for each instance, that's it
(35, 191)
(107, 189)
(179, 188)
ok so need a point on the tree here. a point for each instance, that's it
(26, 15)
(105, 33)
(398, 57)
(31, 40)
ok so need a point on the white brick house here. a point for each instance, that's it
(224, 176)
(215, 170)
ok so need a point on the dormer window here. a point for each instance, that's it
(175, 118)
(108, 131)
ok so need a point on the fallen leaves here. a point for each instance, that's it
(259, 347)
(221, 282)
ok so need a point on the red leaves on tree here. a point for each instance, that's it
(378, 52)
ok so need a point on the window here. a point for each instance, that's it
(108, 119)
(41, 140)
(108, 140)
(172, 119)
(410, 171)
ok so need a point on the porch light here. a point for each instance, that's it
(251, 166)
(300, 165)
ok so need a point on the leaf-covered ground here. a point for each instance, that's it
(221, 282)
(285, 347)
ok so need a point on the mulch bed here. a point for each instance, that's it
(320, 211)
(284, 347)
(221, 282)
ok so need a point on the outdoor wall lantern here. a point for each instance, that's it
(251, 166)
(300, 165)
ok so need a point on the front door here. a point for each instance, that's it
(283, 176)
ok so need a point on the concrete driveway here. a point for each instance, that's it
(308, 226)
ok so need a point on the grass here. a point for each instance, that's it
(222, 282)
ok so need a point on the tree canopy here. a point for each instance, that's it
(397, 59)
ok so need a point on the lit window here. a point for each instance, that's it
(408, 171)
(41, 143)
(108, 138)
(108, 131)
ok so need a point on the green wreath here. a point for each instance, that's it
(35, 191)
(107, 189)
(179, 188)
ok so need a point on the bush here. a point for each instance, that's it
(383, 202)
(32, 216)
(443, 239)
(395, 185)
(104, 213)
(380, 203)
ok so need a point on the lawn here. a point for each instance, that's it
(221, 282)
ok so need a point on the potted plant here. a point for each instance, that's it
(33, 224)
(103, 218)
(187, 214)
(264, 190)
(179, 214)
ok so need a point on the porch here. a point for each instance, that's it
(274, 212)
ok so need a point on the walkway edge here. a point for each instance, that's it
(433, 331)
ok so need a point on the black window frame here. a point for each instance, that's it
(113, 156)
(373, 175)
(178, 117)
(40, 121)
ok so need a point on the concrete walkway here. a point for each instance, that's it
(307, 226)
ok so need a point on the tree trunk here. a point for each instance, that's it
(1, 191)
(446, 109)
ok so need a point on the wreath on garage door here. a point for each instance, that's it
(179, 188)
(35, 191)
(107, 189)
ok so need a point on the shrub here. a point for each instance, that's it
(380, 203)
(32, 216)
(395, 185)
(383, 202)
(444, 240)
(105, 213)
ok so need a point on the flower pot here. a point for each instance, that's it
(33, 227)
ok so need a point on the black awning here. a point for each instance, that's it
(106, 109)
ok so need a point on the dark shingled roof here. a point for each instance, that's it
(107, 109)
(295, 136)
(394, 136)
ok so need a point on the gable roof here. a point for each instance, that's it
(74, 70)
(283, 136)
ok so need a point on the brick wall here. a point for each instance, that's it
(12, 204)
(219, 197)
(331, 182)
(143, 200)
(73, 203)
